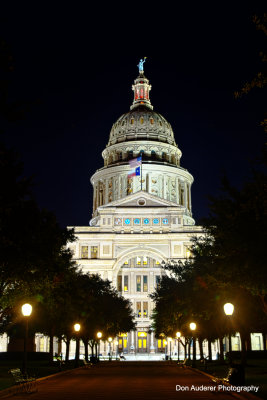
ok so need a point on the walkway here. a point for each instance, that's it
(126, 381)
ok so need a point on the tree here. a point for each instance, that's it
(260, 80)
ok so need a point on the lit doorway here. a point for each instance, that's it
(142, 342)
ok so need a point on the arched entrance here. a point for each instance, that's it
(137, 277)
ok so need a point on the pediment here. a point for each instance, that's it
(141, 199)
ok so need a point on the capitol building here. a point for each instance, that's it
(138, 222)
(142, 219)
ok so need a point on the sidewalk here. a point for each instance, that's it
(129, 381)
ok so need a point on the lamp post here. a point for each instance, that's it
(77, 328)
(170, 342)
(228, 310)
(193, 327)
(26, 310)
(165, 344)
(178, 335)
(116, 343)
(99, 336)
(110, 340)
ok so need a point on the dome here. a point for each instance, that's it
(141, 123)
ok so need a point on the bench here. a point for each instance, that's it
(183, 363)
(235, 376)
(87, 364)
(23, 382)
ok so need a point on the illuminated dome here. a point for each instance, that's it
(141, 123)
(142, 132)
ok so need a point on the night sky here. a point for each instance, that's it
(76, 66)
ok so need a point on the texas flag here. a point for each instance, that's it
(135, 164)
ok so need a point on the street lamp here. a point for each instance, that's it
(99, 336)
(170, 342)
(228, 310)
(109, 340)
(178, 335)
(26, 310)
(77, 328)
(193, 327)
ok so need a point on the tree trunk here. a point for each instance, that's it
(209, 350)
(243, 348)
(85, 342)
(221, 350)
(96, 350)
(189, 350)
(200, 344)
(67, 349)
(264, 341)
(264, 303)
(51, 348)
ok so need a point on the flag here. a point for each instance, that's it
(135, 162)
(134, 172)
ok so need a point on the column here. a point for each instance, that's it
(164, 186)
(190, 200)
(185, 194)
(177, 191)
(152, 348)
(106, 191)
(132, 342)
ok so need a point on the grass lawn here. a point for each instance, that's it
(255, 373)
(35, 368)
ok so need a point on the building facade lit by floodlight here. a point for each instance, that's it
(142, 212)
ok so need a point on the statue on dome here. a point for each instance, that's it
(141, 64)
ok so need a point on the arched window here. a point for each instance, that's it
(153, 155)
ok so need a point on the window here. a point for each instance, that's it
(144, 283)
(94, 251)
(138, 309)
(138, 283)
(119, 283)
(84, 252)
(157, 281)
(144, 260)
(125, 283)
(145, 309)
(138, 260)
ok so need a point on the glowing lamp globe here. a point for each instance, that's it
(192, 326)
(228, 308)
(110, 339)
(77, 327)
(26, 310)
(99, 335)
(178, 334)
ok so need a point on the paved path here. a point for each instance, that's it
(125, 381)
